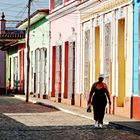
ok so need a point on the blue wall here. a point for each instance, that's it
(135, 47)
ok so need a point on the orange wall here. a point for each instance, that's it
(136, 107)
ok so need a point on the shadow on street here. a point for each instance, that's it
(12, 129)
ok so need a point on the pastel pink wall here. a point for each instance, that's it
(63, 25)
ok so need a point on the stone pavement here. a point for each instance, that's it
(28, 121)
(113, 120)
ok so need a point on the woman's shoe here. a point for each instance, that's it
(96, 125)
(100, 125)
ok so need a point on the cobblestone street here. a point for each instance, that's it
(27, 121)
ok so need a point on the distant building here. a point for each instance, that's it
(9, 40)
(39, 53)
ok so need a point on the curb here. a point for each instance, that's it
(124, 127)
(70, 112)
(66, 111)
(59, 108)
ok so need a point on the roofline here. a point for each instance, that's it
(12, 44)
(40, 11)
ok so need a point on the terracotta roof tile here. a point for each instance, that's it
(13, 34)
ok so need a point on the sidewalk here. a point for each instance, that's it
(112, 120)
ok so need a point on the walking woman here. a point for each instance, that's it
(98, 98)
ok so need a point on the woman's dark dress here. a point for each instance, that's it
(99, 102)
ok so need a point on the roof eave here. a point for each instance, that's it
(36, 16)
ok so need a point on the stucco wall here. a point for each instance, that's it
(64, 26)
(39, 38)
(135, 47)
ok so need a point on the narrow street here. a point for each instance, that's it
(27, 121)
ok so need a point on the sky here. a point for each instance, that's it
(17, 9)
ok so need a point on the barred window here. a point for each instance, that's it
(58, 70)
(107, 51)
(86, 61)
(71, 69)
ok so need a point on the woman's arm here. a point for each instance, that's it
(107, 93)
(91, 93)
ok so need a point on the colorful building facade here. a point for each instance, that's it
(15, 66)
(64, 20)
(10, 44)
(106, 47)
(39, 53)
(73, 44)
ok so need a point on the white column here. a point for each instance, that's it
(101, 43)
(116, 50)
(91, 52)
(81, 60)
(62, 68)
(93, 66)
(50, 65)
(113, 53)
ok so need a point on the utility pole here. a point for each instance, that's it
(28, 52)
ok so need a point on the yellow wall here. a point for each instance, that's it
(97, 52)
(121, 63)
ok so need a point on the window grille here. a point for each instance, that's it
(71, 70)
(58, 70)
(15, 72)
(37, 68)
(86, 61)
(42, 71)
(107, 52)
